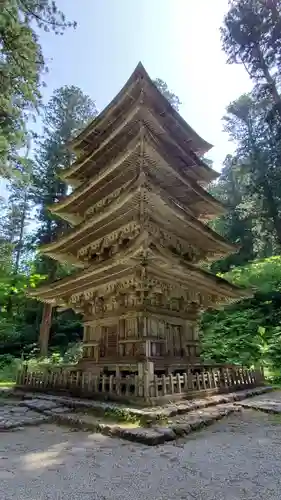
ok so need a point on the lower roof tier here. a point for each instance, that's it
(141, 208)
(143, 270)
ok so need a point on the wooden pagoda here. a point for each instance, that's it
(138, 212)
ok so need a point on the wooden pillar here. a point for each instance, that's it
(145, 376)
(45, 329)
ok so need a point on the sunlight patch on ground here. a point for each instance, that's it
(42, 459)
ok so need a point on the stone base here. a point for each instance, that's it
(151, 426)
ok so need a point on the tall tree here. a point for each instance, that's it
(15, 218)
(21, 66)
(237, 224)
(250, 184)
(259, 151)
(67, 112)
(251, 35)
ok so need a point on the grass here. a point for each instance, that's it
(112, 414)
(7, 383)
(107, 420)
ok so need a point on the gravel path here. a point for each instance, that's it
(237, 458)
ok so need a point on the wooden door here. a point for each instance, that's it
(111, 340)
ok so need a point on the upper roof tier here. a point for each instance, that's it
(139, 93)
(145, 153)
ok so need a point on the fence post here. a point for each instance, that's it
(171, 380)
(203, 379)
(146, 391)
(221, 378)
(164, 387)
(18, 377)
(84, 382)
(209, 379)
(198, 382)
(137, 384)
(214, 377)
(78, 375)
(103, 383)
(185, 382)
(96, 383)
(189, 379)
(65, 375)
(111, 384)
(246, 377)
(118, 385)
(155, 386)
(178, 378)
(127, 389)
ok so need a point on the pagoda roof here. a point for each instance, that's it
(153, 151)
(131, 95)
(162, 208)
(161, 263)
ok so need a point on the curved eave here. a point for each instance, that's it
(161, 263)
(218, 207)
(180, 268)
(159, 202)
(82, 190)
(60, 208)
(111, 210)
(74, 144)
(201, 146)
(71, 175)
(66, 258)
(181, 214)
(100, 271)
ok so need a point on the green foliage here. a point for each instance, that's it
(251, 179)
(263, 275)
(14, 220)
(248, 332)
(250, 184)
(22, 64)
(9, 367)
(67, 112)
(251, 36)
(250, 187)
(170, 96)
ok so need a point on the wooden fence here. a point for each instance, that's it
(196, 381)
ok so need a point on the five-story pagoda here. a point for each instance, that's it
(138, 212)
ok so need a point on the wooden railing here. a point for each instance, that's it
(196, 381)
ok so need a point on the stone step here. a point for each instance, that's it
(152, 436)
(14, 416)
(149, 414)
(267, 406)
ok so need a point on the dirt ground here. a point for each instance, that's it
(236, 458)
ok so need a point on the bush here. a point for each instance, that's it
(9, 367)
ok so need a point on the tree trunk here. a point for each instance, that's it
(19, 246)
(269, 199)
(270, 81)
(45, 329)
(272, 209)
(46, 321)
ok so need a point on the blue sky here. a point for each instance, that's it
(176, 40)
